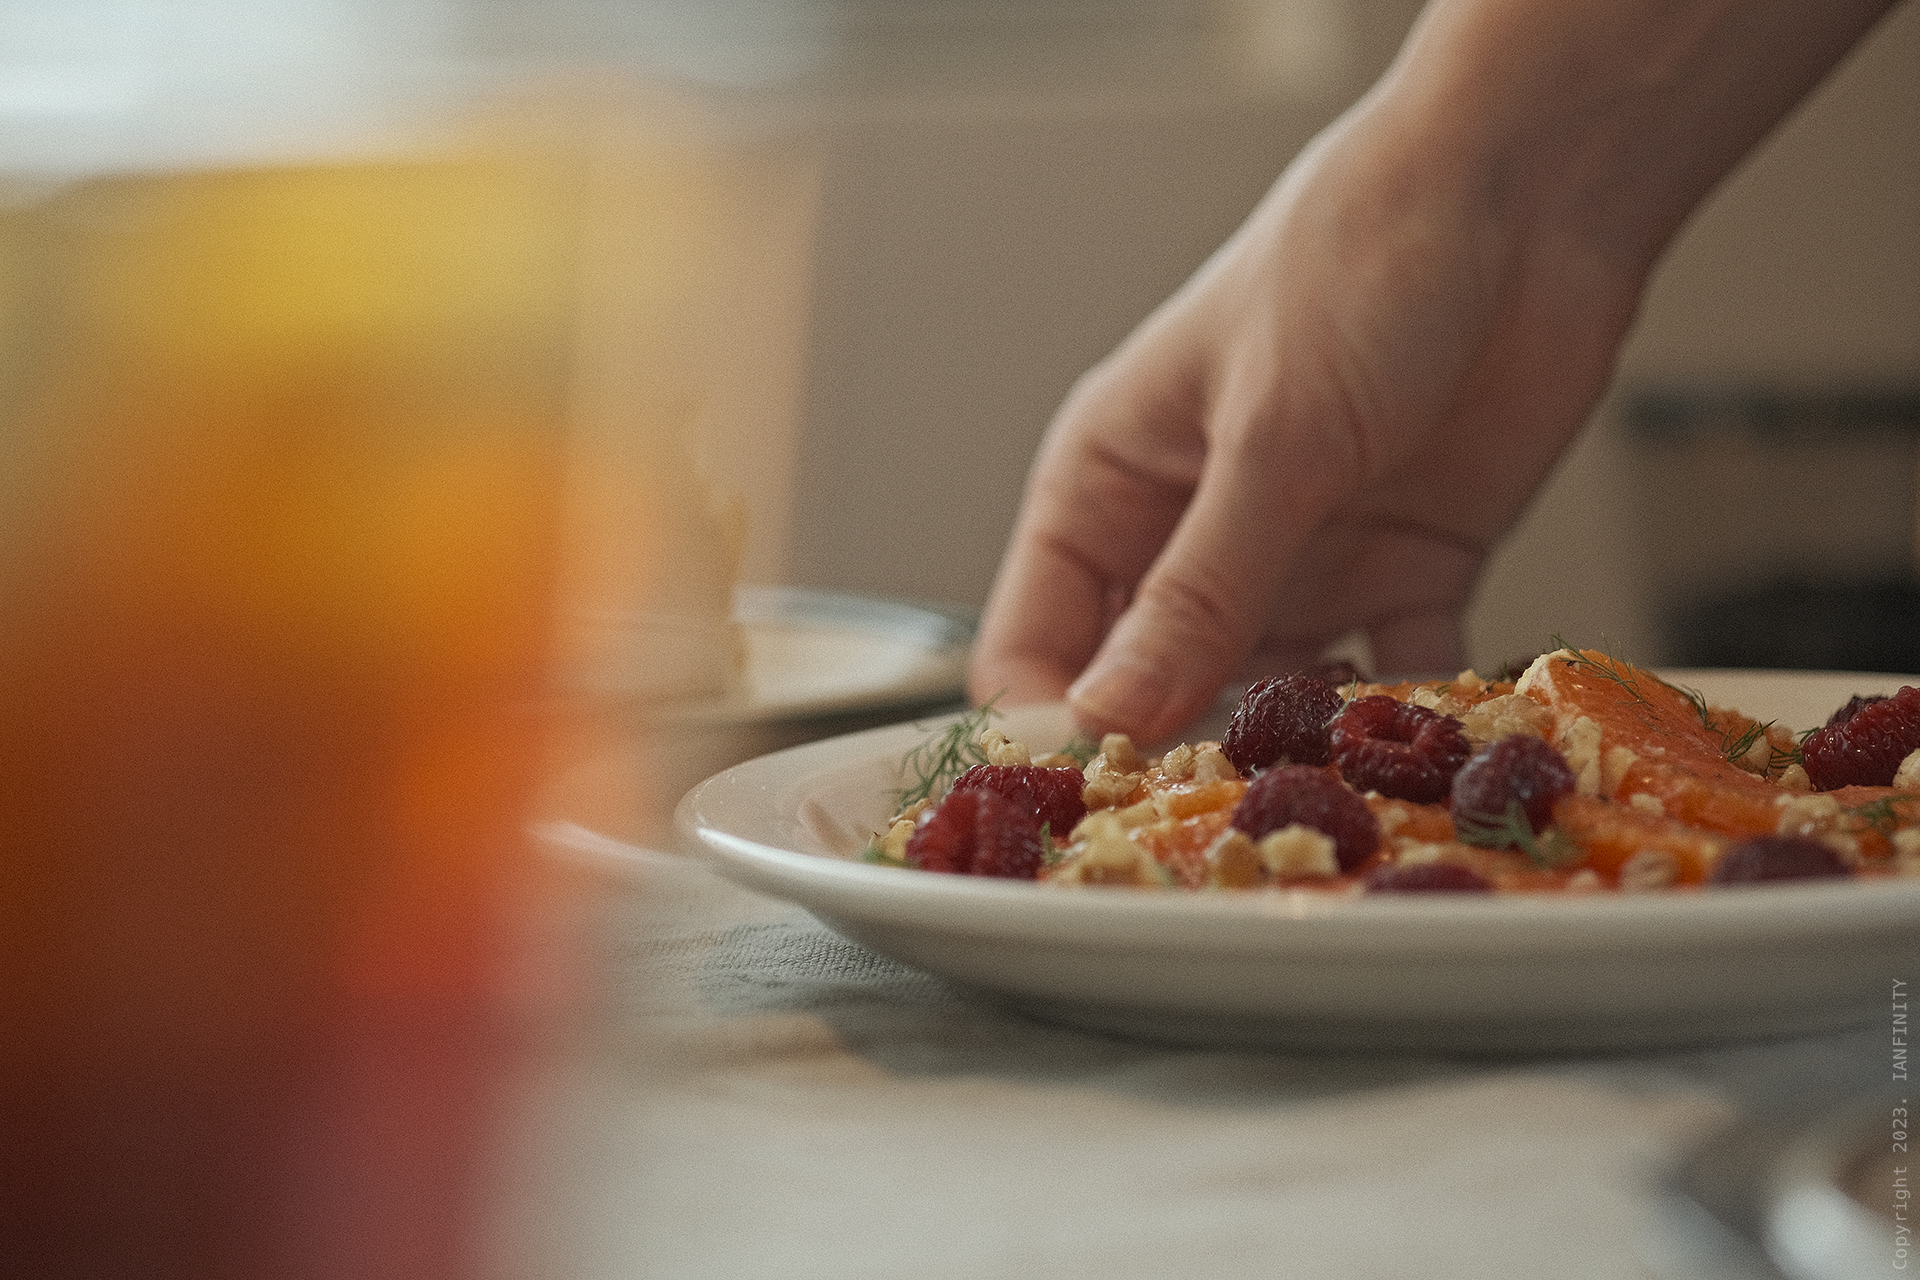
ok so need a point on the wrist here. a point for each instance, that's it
(1606, 125)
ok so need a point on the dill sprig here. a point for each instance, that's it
(1737, 747)
(1082, 747)
(1613, 670)
(1880, 815)
(1547, 850)
(935, 763)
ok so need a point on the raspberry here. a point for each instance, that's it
(1426, 877)
(1853, 707)
(1397, 748)
(1052, 796)
(1518, 774)
(1863, 745)
(1281, 721)
(1313, 798)
(1777, 858)
(978, 833)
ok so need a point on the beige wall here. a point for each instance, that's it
(1802, 273)
(974, 250)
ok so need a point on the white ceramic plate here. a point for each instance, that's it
(1297, 968)
(820, 653)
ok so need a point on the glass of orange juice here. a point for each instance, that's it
(280, 466)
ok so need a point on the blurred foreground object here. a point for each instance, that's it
(280, 477)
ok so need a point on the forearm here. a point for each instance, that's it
(1609, 120)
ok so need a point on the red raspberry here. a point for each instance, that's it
(1052, 796)
(1520, 771)
(978, 833)
(1426, 877)
(1853, 706)
(1281, 721)
(1863, 745)
(1777, 858)
(1313, 798)
(1397, 748)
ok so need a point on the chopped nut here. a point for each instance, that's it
(1298, 852)
(1177, 764)
(894, 844)
(1210, 764)
(1118, 748)
(1907, 776)
(1000, 749)
(1585, 880)
(1233, 862)
(1107, 785)
(1647, 870)
(1794, 778)
(1057, 760)
(1101, 853)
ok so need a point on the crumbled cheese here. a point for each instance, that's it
(1614, 764)
(1411, 853)
(1580, 744)
(1813, 815)
(1537, 671)
(1647, 804)
(1907, 776)
(1504, 717)
(1647, 870)
(1906, 852)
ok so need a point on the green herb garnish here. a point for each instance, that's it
(1082, 747)
(1880, 815)
(935, 763)
(1547, 850)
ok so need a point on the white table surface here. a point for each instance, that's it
(756, 1097)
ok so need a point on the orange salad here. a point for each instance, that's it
(1587, 774)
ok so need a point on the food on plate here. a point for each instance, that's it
(1585, 775)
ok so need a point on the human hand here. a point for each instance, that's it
(1328, 428)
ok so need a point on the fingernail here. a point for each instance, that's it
(1119, 692)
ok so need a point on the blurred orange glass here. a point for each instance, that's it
(280, 469)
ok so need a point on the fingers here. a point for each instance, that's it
(1106, 490)
(1210, 595)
